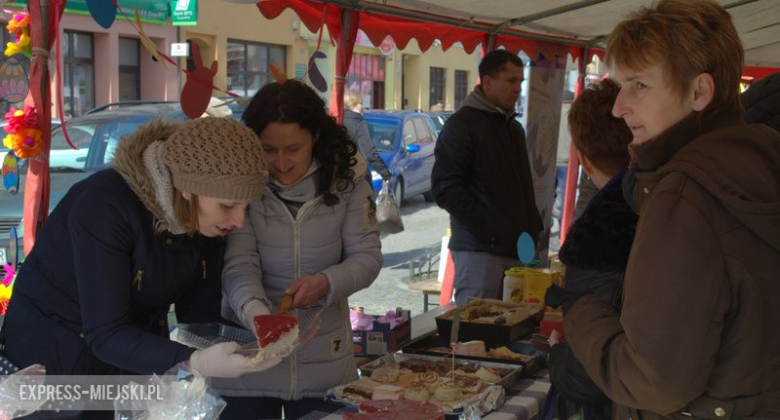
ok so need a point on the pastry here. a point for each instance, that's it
(429, 379)
(488, 375)
(474, 348)
(406, 378)
(505, 353)
(276, 335)
(447, 391)
(386, 374)
(360, 390)
(417, 391)
(406, 410)
(467, 383)
(357, 393)
(387, 392)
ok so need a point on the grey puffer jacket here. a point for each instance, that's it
(272, 250)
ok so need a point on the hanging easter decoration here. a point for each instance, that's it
(525, 248)
(14, 83)
(315, 76)
(11, 173)
(196, 94)
(104, 12)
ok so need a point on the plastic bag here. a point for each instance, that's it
(11, 404)
(186, 396)
(387, 213)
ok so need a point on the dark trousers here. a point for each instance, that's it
(255, 408)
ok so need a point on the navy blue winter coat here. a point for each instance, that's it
(93, 295)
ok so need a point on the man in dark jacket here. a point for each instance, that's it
(482, 177)
(697, 335)
(357, 127)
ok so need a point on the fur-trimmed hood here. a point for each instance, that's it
(601, 238)
(129, 162)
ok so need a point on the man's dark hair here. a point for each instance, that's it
(494, 62)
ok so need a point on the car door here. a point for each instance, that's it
(424, 157)
(412, 162)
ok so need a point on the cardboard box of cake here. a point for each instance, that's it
(491, 320)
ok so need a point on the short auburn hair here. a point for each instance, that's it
(687, 38)
(595, 132)
(186, 211)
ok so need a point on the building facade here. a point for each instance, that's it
(101, 66)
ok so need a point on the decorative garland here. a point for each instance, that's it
(19, 24)
(6, 287)
(24, 137)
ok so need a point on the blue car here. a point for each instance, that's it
(405, 140)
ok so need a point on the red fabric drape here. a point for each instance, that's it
(376, 25)
(758, 73)
(345, 44)
(37, 184)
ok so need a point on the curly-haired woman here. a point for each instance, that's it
(313, 235)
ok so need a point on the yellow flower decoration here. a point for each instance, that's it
(5, 292)
(26, 142)
(21, 47)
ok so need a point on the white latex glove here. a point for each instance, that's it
(251, 309)
(222, 361)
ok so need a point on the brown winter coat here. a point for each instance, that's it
(699, 329)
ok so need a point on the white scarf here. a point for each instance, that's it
(163, 185)
(302, 190)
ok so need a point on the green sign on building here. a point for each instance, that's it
(184, 12)
(150, 11)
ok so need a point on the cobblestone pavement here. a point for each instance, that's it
(425, 224)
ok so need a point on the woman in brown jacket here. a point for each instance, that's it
(697, 336)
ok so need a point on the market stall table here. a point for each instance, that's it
(524, 399)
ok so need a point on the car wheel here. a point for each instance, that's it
(428, 196)
(399, 193)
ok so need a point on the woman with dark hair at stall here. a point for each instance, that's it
(312, 236)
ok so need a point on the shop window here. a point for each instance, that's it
(367, 75)
(129, 69)
(437, 86)
(78, 86)
(247, 65)
(461, 86)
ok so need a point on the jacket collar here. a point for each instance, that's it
(648, 157)
(657, 152)
(138, 161)
(477, 100)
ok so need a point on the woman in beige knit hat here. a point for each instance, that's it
(313, 236)
(129, 241)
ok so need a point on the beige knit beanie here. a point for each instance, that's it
(216, 157)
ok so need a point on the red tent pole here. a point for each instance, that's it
(573, 169)
(37, 184)
(350, 20)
